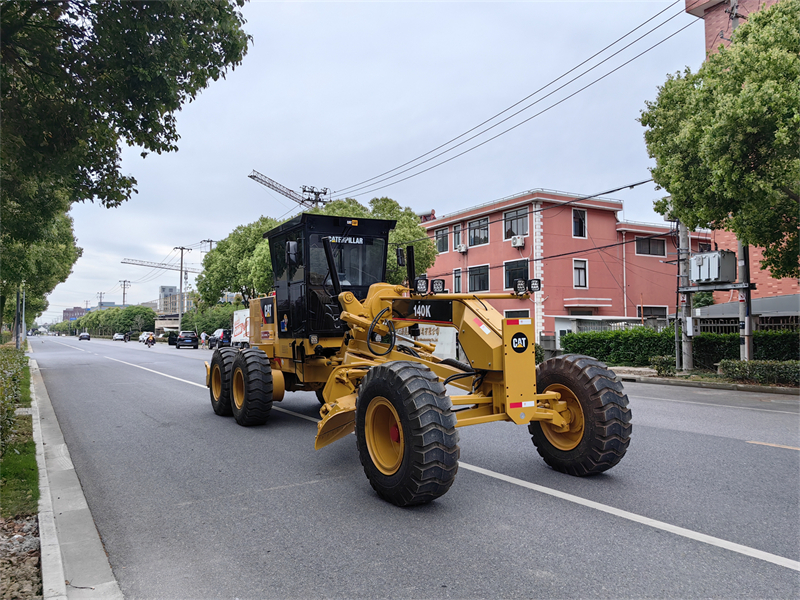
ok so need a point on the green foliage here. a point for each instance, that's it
(42, 265)
(725, 138)
(632, 347)
(539, 353)
(239, 264)
(209, 319)
(664, 365)
(710, 348)
(763, 371)
(776, 345)
(701, 299)
(407, 228)
(13, 363)
(638, 347)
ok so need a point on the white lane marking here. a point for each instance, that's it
(73, 347)
(624, 514)
(774, 445)
(781, 412)
(156, 372)
(291, 412)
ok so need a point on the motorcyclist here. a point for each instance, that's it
(150, 340)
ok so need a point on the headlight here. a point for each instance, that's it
(519, 286)
(437, 286)
(535, 285)
(421, 286)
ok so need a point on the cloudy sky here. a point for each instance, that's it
(332, 94)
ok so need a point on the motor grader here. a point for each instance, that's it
(333, 326)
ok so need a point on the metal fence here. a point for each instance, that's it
(584, 326)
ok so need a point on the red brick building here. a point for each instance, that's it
(589, 262)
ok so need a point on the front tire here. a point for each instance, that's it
(406, 433)
(251, 387)
(220, 389)
(599, 420)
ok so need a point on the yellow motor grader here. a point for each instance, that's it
(332, 326)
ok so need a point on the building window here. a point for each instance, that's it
(581, 312)
(456, 281)
(651, 246)
(478, 232)
(515, 269)
(479, 279)
(518, 314)
(456, 236)
(515, 222)
(441, 240)
(578, 223)
(651, 311)
(580, 279)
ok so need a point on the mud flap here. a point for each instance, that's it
(338, 421)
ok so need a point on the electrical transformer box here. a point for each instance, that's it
(713, 267)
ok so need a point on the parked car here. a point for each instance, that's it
(118, 337)
(219, 339)
(187, 338)
(84, 336)
(144, 335)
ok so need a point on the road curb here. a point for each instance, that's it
(74, 566)
(712, 385)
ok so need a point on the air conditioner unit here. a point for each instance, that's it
(517, 241)
(461, 248)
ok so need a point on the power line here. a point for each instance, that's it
(345, 189)
(525, 120)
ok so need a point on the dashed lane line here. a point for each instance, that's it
(623, 514)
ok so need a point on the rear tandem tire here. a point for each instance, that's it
(406, 433)
(220, 388)
(251, 387)
(600, 428)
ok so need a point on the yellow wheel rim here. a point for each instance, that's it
(384, 435)
(216, 382)
(565, 438)
(238, 388)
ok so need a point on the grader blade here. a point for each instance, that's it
(337, 423)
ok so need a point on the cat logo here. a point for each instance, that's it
(353, 223)
(519, 342)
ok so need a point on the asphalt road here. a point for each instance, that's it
(706, 503)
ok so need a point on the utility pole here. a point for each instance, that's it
(100, 295)
(683, 262)
(125, 285)
(743, 260)
(180, 292)
(210, 247)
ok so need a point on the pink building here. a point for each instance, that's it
(589, 262)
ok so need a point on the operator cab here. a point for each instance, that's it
(305, 299)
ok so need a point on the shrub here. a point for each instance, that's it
(664, 365)
(776, 345)
(12, 364)
(763, 371)
(710, 348)
(632, 347)
(539, 357)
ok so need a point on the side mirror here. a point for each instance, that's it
(291, 254)
(401, 258)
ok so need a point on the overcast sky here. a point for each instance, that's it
(331, 94)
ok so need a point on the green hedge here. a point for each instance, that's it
(631, 347)
(664, 365)
(12, 364)
(635, 347)
(763, 371)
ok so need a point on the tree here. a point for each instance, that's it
(701, 299)
(229, 267)
(407, 231)
(725, 139)
(42, 265)
(81, 76)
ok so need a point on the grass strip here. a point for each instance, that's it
(19, 486)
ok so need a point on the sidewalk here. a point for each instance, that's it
(648, 375)
(74, 563)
